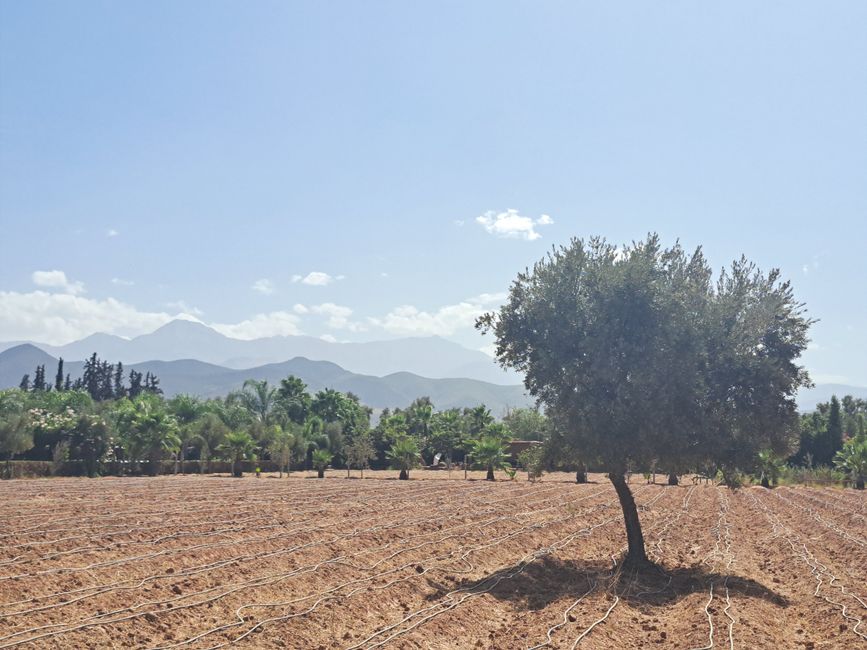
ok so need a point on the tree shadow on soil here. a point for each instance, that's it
(548, 579)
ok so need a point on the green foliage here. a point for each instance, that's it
(90, 441)
(638, 357)
(446, 434)
(147, 431)
(237, 446)
(210, 432)
(768, 468)
(533, 462)
(360, 451)
(404, 454)
(15, 436)
(852, 459)
(321, 459)
(280, 449)
(489, 452)
(526, 424)
(293, 399)
(259, 398)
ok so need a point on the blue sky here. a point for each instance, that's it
(206, 158)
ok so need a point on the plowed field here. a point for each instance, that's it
(211, 562)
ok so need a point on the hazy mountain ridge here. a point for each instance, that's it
(209, 380)
(432, 357)
(397, 386)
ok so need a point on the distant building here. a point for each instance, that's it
(515, 447)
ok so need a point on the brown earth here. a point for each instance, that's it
(434, 562)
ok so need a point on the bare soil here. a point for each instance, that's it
(434, 562)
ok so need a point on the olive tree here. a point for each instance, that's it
(638, 356)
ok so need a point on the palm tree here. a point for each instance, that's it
(852, 459)
(186, 409)
(490, 452)
(769, 467)
(210, 431)
(147, 430)
(237, 446)
(321, 458)
(403, 455)
(312, 437)
(259, 398)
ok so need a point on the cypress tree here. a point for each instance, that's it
(58, 378)
(119, 390)
(39, 380)
(25, 382)
(835, 429)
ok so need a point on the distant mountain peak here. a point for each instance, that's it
(182, 327)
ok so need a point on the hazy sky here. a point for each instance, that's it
(363, 170)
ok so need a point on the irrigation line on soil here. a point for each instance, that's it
(474, 590)
(329, 594)
(255, 582)
(817, 569)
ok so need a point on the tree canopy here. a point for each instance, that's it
(639, 357)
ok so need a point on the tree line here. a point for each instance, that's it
(99, 424)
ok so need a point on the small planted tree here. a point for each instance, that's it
(321, 458)
(490, 453)
(281, 449)
(403, 454)
(237, 446)
(359, 452)
(533, 462)
(852, 459)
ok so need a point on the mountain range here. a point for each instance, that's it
(190, 357)
(211, 380)
(431, 356)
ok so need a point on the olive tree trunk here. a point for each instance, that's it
(404, 475)
(635, 554)
(490, 475)
(673, 479)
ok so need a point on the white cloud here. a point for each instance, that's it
(300, 309)
(410, 321)
(489, 298)
(329, 338)
(121, 282)
(316, 279)
(383, 274)
(57, 280)
(263, 286)
(275, 323)
(183, 308)
(58, 318)
(111, 232)
(510, 224)
(338, 317)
